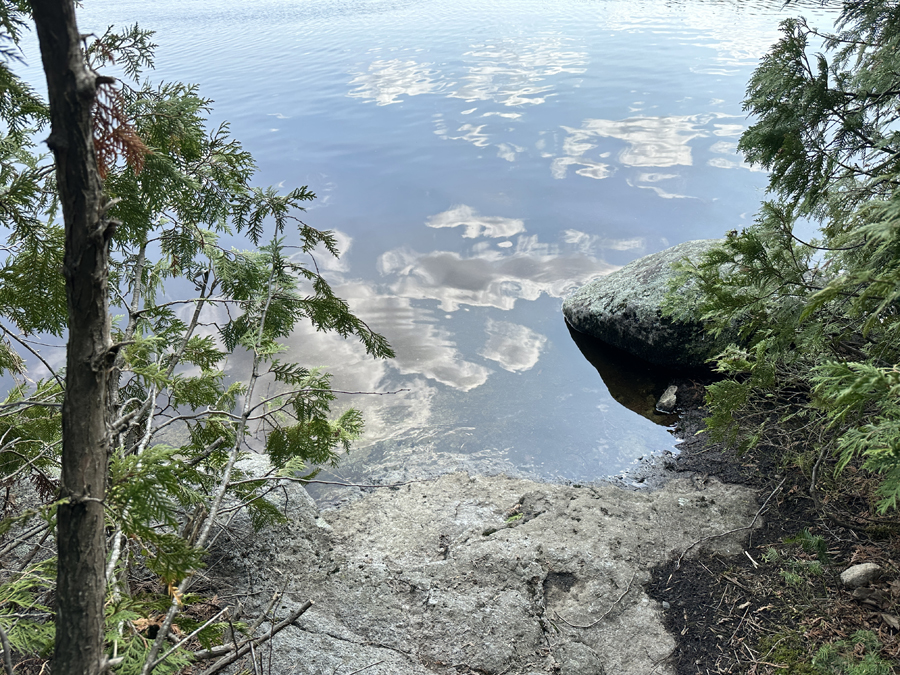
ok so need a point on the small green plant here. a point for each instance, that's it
(771, 556)
(791, 578)
(811, 543)
(797, 571)
(788, 651)
(857, 656)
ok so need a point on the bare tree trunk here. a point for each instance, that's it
(81, 580)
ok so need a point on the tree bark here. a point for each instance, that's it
(81, 582)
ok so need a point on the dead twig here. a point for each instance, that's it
(611, 607)
(371, 665)
(307, 481)
(230, 654)
(189, 637)
(737, 529)
(737, 583)
(740, 623)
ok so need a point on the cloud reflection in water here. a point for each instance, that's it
(515, 347)
(652, 141)
(507, 72)
(490, 278)
(412, 302)
(386, 81)
(475, 225)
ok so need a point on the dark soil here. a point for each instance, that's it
(770, 609)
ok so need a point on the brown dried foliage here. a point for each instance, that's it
(114, 136)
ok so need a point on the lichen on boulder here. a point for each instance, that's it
(625, 309)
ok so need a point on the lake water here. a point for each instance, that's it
(480, 160)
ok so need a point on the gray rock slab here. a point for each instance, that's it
(485, 574)
(624, 309)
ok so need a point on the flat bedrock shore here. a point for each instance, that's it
(480, 574)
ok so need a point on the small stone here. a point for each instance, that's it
(666, 403)
(860, 575)
(666, 605)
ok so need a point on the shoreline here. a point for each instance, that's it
(493, 574)
(485, 574)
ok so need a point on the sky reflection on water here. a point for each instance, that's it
(479, 161)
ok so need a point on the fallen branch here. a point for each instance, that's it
(371, 665)
(737, 529)
(244, 647)
(188, 637)
(307, 481)
(25, 536)
(611, 607)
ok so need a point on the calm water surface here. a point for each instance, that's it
(479, 161)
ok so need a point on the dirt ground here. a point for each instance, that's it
(772, 608)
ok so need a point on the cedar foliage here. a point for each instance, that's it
(818, 366)
(180, 424)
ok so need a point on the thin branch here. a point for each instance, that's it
(148, 428)
(201, 415)
(188, 637)
(205, 292)
(123, 421)
(815, 470)
(276, 597)
(228, 659)
(30, 404)
(21, 539)
(34, 551)
(283, 394)
(226, 477)
(371, 665)
(36, 354)
(204, 299)
(251, 417)
(115, 553)
(611, 607)
(240, 505)
(305, 481)
(143, 410)
(737, 529)
(210, 449)
(29, 462)
(824, 248)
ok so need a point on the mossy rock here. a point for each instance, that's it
(624, 309)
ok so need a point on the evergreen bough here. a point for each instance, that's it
(819, 363)
(179, 424)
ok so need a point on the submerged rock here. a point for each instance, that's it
(624, 309)
(484, 574)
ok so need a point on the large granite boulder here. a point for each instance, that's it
(624, 309)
